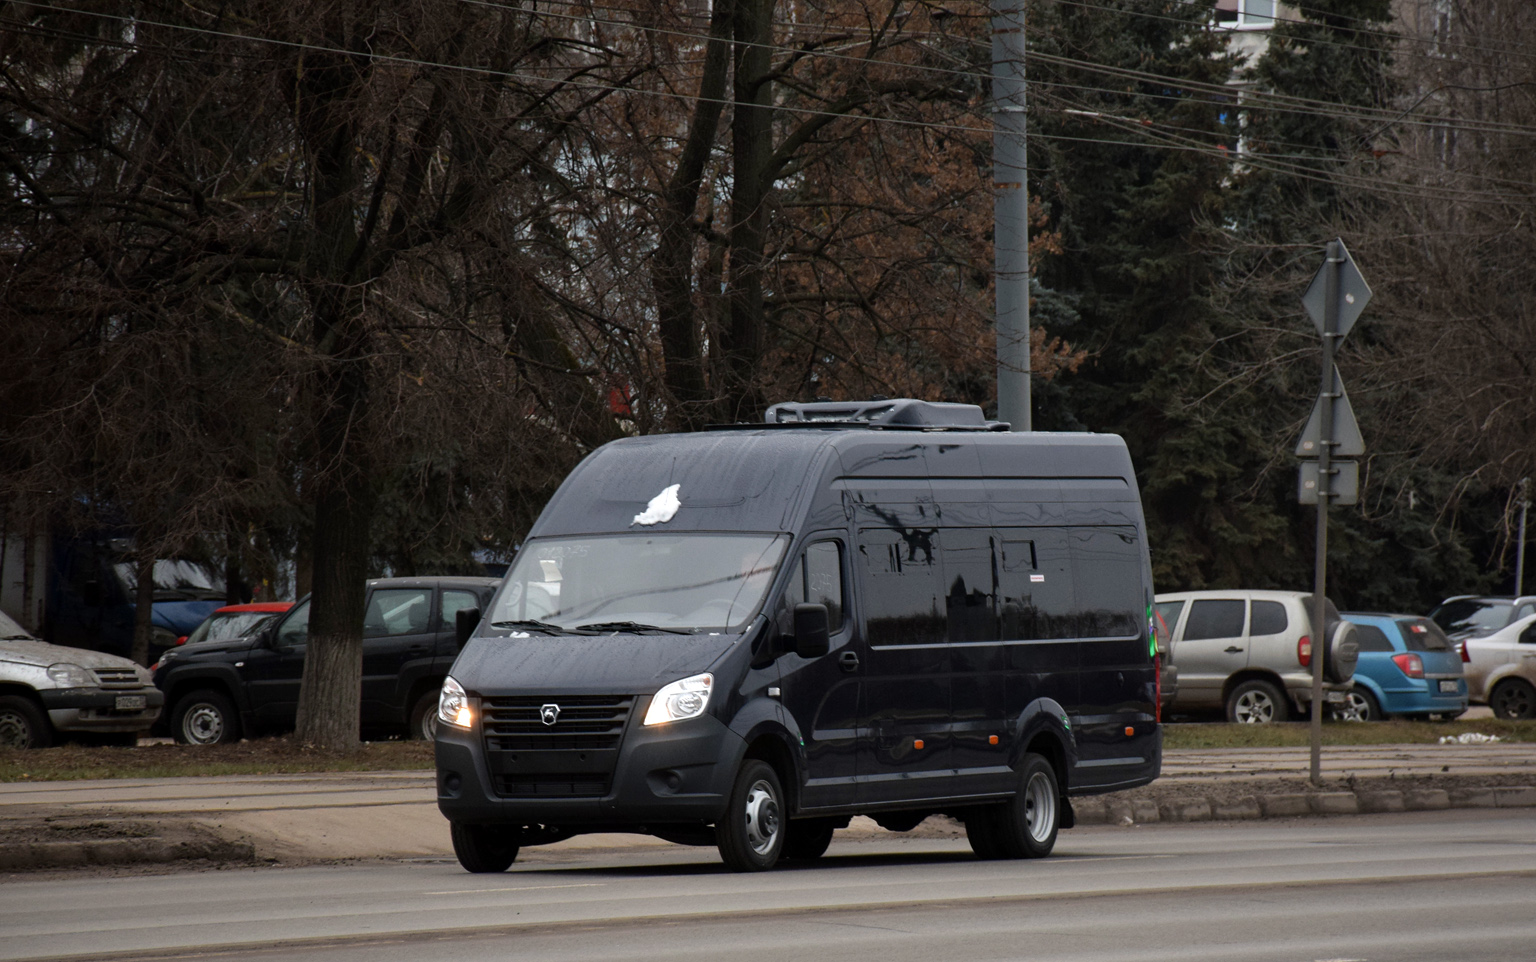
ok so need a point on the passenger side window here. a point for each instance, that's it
(970, 577)
(1169, 610)
(1269, 618)
(1215, 618)
(1371, 638)
(824, 580)
(294, 632)
(397, 611)
(902, 583)
(455, 601)
(1106, 564)
(1528, 636)
(1034, 588)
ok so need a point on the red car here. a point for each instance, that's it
(232, 621)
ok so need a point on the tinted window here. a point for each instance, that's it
(1421, 634)
(455, 601)
(1035, 584)
(397, 611)
(824, 580)
(970, 579)
(1106, 569)
(1268, 618)
(902, 580)
(295, 630)
(1371, 638)
(1215, 618)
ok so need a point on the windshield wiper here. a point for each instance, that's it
(543, 626)
(630, 626)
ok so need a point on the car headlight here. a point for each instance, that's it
(66, 675)
(453, 705)
(682, 699)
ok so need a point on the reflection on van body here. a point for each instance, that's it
(895, 614)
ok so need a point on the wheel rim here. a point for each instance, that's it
(1039, 807)
(762, 817)
(15, 732)
(428, 728)
(203, 724)
(1513, 701)
(1360, 707)
(1255, 708)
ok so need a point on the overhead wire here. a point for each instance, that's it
(1217, 150)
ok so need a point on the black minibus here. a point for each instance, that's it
(745, 636)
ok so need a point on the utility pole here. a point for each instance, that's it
(1010, 214)
(1525, 503)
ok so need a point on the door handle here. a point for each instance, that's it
(848, 661)
(1231, 649)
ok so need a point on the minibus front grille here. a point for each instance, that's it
(552, 785)
(582, 722)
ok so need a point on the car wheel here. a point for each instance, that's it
(1024, 826)
(423, 719)
(1257, 702)
(23, 724)
(751, 836)
(808, 838)
(1363, 706)
(484, 848)
(205, 718)
(1513, 698)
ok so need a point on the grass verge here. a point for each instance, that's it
(262, 756)
(1298, 734)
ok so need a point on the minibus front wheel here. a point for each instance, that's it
(751, 835)
(484, 848)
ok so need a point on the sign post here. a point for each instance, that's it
(1334, 299)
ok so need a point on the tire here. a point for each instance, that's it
(1026, 825)
(1364, 706)
(752, 834)
(423, 717)
(808, 838)
(1257, 702)
(484, 848)
(23, 724)
(205, 717)
(1513, 698)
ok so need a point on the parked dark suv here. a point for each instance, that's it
(217, 691)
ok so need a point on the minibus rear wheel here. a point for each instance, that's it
(484, 848)
(751, 835)
(1025, 826)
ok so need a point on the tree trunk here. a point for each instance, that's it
(672, 263)
(143, 606)
(751, 150)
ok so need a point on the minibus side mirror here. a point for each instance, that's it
(465, 621)
(812, 639)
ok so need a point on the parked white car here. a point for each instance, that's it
(1501, 669)
(49, 690)
(1250, 653)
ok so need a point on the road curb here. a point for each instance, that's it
(120, 851)
(1200, 808)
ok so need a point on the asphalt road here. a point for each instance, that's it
(1418, 886)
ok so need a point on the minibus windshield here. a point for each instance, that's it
(638, 582)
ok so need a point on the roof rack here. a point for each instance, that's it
(902, 414)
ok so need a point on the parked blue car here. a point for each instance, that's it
(1407, 667)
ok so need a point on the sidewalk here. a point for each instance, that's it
(309, 818)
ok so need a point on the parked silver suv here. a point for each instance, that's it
(1250, 652)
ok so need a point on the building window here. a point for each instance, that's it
(1246, 14)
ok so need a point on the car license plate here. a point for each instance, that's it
(1334, 696)
(130, 703)
(1448, 686)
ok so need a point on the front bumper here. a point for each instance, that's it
(680, 773)
(96, 710)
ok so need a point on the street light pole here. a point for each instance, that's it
(1010, 214)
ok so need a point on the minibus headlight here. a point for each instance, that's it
(682, 699)
(453, 705)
